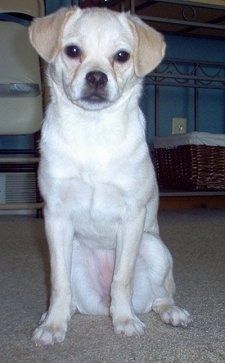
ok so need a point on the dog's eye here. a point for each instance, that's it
(72, 51)
(121, 56)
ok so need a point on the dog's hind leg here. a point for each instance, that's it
(154, 285)
(166, 308)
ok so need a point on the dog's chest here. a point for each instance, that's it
(96, 210)
(96, 179)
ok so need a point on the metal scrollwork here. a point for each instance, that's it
(183, 73)
(189, 13)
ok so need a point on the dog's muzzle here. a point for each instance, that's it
(95, 90)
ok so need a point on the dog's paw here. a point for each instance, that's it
(129, 326)
(48, 335)
(176, 316)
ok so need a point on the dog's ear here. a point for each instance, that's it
(149, 46)
(45, 33)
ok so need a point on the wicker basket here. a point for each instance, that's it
(191, 167)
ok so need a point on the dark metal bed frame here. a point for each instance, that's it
(190, 16)
(172, 73)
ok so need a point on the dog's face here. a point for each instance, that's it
(96, 56)
(98, 62)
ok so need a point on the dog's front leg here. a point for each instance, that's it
(53, 324)
(128, 242)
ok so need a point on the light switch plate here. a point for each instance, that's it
(179, 125)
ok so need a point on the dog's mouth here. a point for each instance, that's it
(94, 101)
(91, 102)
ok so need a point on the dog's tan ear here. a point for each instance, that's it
(45, 33)
(149, 46)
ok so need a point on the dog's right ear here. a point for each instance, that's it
(45, 33)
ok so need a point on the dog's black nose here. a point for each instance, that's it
(96, 79)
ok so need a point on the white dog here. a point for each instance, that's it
(96, 176)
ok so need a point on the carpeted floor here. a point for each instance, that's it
(196, 239)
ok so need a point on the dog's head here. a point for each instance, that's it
(96, 56)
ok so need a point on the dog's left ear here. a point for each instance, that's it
(149, 46)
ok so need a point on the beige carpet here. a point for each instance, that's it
(196, 239)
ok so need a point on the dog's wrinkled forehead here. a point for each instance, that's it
(98, 30)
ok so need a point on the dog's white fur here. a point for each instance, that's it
(96, 176)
